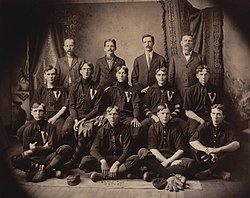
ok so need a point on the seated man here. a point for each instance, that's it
(199, 98)
(110, 150)
(161, 93)
(122, 95)
(213, 141)
(54, 98)
(79, 130)
(39, 148)
(84, 103)
(166, 148)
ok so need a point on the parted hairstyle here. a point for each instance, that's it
(201, 67)
(164, 69)
(161, 107)
(110, 108)
(148, 35)
(49, 67)
(37, 104)
(87, 63)
(110, 40)
(220, 107)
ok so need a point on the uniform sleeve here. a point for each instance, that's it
(147, 103)
(126, 144)
(187, 103)
(171, 71)
(179, 141)
(97, 73)
(64, 98)
(57, 80)
(136, 104)
(152, 137)
(72, 103)
(178, 103)
(26, 138)
(232, 135)
(95, 148)
(197, 134)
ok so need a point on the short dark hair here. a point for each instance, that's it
(164, 69)
(125, 68)
(49, 67)
(37, 104)
(148, 35)
(220, 107)
(87, 63)
(201, 67)
(110, 40)
(162, 106)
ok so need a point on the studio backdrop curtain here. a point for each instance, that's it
(206, 27)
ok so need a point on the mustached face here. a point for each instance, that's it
(187, 43)
(109, 48)
(148, 44)
(69, 46)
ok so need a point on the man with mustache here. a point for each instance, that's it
(105, 67)
(182, 66)
(143, 74)
(68, 66)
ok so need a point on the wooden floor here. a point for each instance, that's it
(215, 188)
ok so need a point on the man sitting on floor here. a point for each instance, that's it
(109, 157)
(39, 148)
(166, 147)
(213, 141)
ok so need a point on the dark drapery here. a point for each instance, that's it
(206, 27)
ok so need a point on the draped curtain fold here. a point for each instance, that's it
(205, 26)
(180, 17)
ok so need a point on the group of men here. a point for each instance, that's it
(169, 123)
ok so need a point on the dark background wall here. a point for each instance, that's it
(126, 21)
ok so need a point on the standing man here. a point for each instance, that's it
(182, 66)
(199, 98)
(213, 142)
(143, 74)
(68, 66)
(105, 67)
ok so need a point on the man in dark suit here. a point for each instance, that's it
(143, 74)
(68, 66)
(105, 67)
(182, 66)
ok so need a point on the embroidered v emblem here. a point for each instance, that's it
(128, 95)
(212, 97)
(92, 93)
